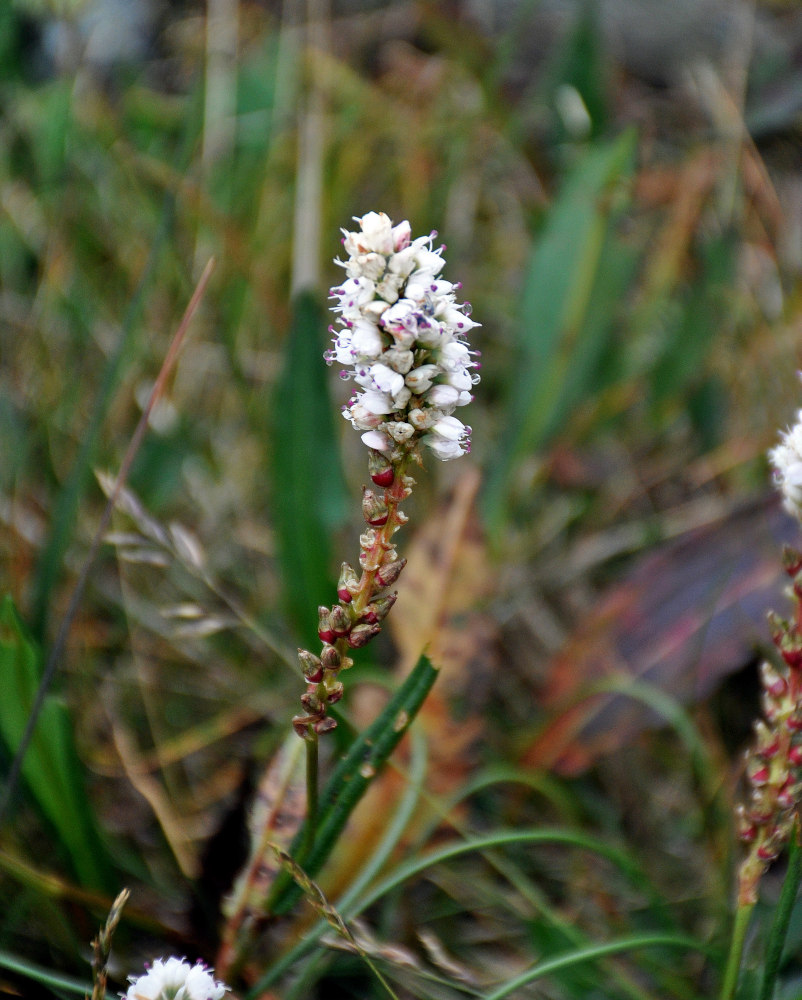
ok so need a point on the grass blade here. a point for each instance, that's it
(37, 974)
(590, 954)
(51, 767)
(562, 323)
(309, 494)
(415, 866)
(782, 917)
(354, 773)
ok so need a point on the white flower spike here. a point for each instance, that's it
(786, 460)
(175, 979)
(402, 339)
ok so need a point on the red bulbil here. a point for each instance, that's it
(793, 657)
(345, 595)
(384, 477)
(324, 629)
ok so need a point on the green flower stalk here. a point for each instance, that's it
(401, 334)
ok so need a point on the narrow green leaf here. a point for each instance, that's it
(409, 869)
(591, 953)
(350, 779)
(558, 302)
(51, 768)
(38, 974)
(782, 917)
(687, 343)
(309, 496)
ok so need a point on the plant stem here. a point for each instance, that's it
(312, 756)
(740, 925)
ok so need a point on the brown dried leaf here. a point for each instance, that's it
(684, 618)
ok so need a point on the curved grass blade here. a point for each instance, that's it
(415, 866)
(38, 974)
(592, 953)
(354, 773)
(397, 824)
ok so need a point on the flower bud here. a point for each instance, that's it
(767, 742)
(773, 684)
(330, 658)
(758, 773)
(311, 702)
(325, 725)
(348, 583)
(324, 629)
(389, 573)
(334, 693)
(374, 510)
(377, 610)
(339, 621)
(381, 472)
(792, 561)
(300, 724)
(311, 666)
(360, 635)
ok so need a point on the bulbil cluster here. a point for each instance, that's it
(364, 600)
(774, 764)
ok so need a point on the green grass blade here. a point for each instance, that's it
(355, 772)
(38, 974)
(63, 518)
(51, 767)
(557, 307)
(782, 917)
(396, 826)
(415, 866)
(592, 953)
(309, 496)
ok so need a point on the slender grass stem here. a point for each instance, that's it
(312, 758)
(740, 925)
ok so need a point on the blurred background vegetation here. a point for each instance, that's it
(618, 184)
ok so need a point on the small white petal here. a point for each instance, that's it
(444, 397)
(376, 402)
(420, 379)
(378, 441)
(385, 379)
(449, 427)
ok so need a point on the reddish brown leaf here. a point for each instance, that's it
(684, 618)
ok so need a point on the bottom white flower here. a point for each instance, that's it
(175, 979)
